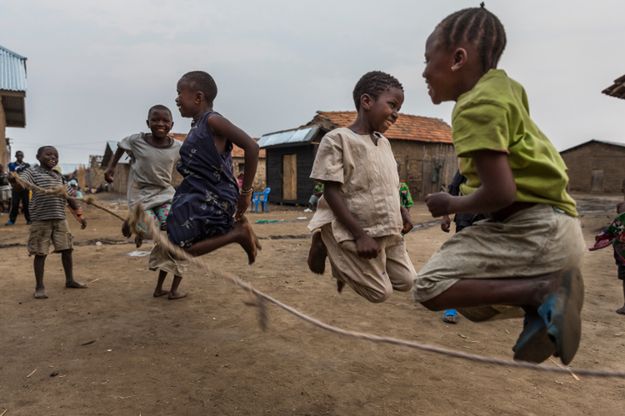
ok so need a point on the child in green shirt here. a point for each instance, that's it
(526, 254)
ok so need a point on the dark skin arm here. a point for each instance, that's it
(406, 220)
(14, 184)
(497, 191)
(224, 130)
(110, 170)
(77, 213)
(366, 246)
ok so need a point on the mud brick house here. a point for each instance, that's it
(422, 147)
(12, 96)
(596, 166)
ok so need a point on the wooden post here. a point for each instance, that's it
(4, 157)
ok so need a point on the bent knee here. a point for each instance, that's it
(378, 295)
(403, 286)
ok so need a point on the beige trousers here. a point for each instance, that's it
(530, 243)
(374, 279)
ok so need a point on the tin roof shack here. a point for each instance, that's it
(422, 146)
(596, 166)
(12, 95)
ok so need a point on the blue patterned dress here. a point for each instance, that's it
(205, 201)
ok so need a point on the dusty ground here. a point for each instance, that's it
(115, 350)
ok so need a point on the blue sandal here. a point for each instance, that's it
(561, 313)
(534, 344)
(556, 329)
(450, 316)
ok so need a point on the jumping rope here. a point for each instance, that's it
(259, 299)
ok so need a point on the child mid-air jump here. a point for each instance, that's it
(359, 222)
(153, 157)
(527, 253)
(49, 226)
(208, 207)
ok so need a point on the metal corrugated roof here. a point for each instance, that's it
(288, 137)
(12, 71)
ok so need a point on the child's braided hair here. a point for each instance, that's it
(374, 83)
(478, 26)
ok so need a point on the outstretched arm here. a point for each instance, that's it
(77, 213)
(109, 175)
(366, 246)
(224, 128)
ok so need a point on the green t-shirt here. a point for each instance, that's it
(494, 115)
(405, 199)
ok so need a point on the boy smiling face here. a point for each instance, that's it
(382, 112)
(160, 123)
(48, 157)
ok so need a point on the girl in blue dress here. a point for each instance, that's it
(207, 209)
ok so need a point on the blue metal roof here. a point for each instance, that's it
(12, 71)
(302, 135)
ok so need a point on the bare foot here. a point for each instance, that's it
(160, 292)
(247, 239)
(621, 311)
(40, 294)
(72, 284)
(126, 229)
(317, 254)
(176, 295)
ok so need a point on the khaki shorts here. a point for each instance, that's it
(161, 259)
(530, 243)
(374, 279)
(44, 233)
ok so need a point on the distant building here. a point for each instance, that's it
(422, 146)
(12, 95)
(238, 164)
(596, 166)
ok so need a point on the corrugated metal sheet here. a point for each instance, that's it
(617, 89)
(12, 71)
(288, 137)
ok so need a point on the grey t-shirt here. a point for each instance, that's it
(151, 170)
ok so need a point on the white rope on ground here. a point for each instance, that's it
(261, 297)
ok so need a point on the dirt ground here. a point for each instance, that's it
(113, 349)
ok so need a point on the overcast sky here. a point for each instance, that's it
(95, 67)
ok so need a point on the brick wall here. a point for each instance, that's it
(605, 161)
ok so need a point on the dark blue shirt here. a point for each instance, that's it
(205, 201)
(18, 167)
